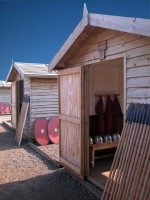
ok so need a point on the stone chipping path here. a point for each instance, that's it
(25, 175)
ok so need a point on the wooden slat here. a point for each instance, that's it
(131, 25)
(70, 119)
(129, 173)
(21, 121)
(104, 145)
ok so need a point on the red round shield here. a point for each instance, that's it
(40, 131)
(7, 108)
(2, 108)
(53, 130)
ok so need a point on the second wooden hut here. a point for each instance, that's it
(33, 80)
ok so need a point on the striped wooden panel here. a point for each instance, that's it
(21, 121)
(129, 175)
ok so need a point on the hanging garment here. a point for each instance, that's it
(108, 116)
(99, 109)
(117, 116)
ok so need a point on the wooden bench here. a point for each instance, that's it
(102, 146)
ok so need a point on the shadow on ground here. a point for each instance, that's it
(54, 186)
(7, 139)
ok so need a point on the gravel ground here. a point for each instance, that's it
(25, 175)
(4, 117)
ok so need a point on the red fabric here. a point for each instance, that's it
(108, 116)
(117, 116)
(99, 110)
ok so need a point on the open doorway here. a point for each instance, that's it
(19, 97)
(106, 80)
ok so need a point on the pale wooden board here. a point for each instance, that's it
(21, 122)
(70, 119)
(128, 178)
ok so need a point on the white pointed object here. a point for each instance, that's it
(85, 15)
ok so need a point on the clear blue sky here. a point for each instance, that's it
(34, 30)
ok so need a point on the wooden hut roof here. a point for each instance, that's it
(86, 27)
(5, 84)
(30, 70)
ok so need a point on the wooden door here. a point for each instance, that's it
(13, 105)
(71, 119)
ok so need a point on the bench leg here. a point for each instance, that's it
(93, 158)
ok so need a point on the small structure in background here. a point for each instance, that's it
(33, 80)
(5, 97)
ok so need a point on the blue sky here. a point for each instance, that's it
(34, 30)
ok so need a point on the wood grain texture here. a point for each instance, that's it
(21, 122)
(70, 119)
(129, 173)
(13, 105)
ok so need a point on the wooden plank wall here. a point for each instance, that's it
(17, 77)
(5, 95)
(137, 51)
(43, 100)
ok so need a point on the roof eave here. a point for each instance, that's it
(41, 76)
(126, 24)
(14, 65)
(130, 25)
(9, 73)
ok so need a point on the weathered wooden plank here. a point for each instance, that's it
(69, 119)
(138, 92)
(128, 46)
(44, 94)
(138, 61)
(131, 25)
(44, 115)
(84, 58)
(140, 81)
(138, 71)
(44, 109)
(122, 39)
(43, 97)
(41, 100)
(141, 51)
(46, 105)
(37, 90)
(21, 121)
(100, 35)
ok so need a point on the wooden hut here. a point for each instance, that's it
(33, 80)
(5, 92)
(103, 55)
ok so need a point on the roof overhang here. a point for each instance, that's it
(90, 20)
(38, 74)
(13, 69)
(42, 76)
